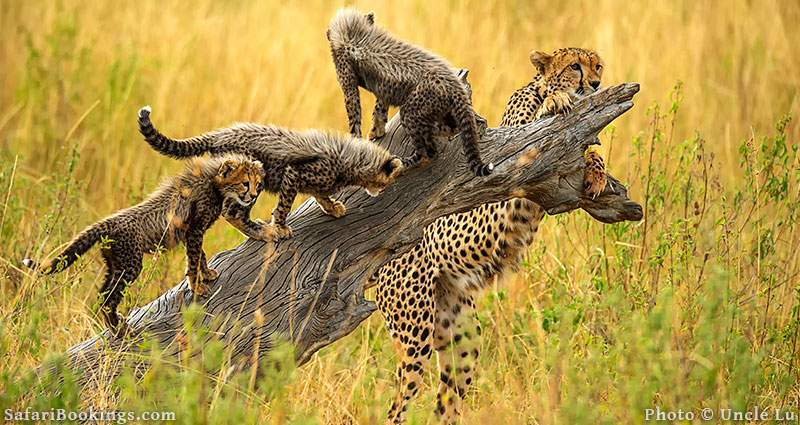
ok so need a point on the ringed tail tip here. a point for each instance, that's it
(29, 263)
(145, 111)
(484, 170)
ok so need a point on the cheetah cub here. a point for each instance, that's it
(310, 162)
(424, 86)
(181, 210)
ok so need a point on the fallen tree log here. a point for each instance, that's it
(310, 289)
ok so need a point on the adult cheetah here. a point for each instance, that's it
(426, 295)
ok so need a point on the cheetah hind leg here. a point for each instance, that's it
(107, 312)
(117, 278)
(419, 121)
(595, 174)
(457, 344)
(412, 338)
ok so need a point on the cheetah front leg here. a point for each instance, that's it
(277, 228)
(331, 206)
(557, 102)
(208, 274)
(239, 217)
(194, 269)
(595, 174)
(379, 117)
(352, 99)
(457, 344)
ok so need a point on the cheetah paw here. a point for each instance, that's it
(377, 132)
(338, 210)
(122, 330)
(275, 232)
(595, 174)
(199, 288)
(555, 103)
(210, 275)
(114, 321)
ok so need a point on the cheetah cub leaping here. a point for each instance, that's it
(310, 161)
(562, 78)
(181, 210)
(424, 86)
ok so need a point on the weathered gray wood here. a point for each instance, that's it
(310, 289)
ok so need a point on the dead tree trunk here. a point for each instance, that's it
(310, 289)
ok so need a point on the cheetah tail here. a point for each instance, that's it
(182, 148)
(470, 137)
(79, 245)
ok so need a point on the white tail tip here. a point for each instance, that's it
(28, 262)
(146, 110)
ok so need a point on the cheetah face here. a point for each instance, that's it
(377, 183)
(573, 70)
(240, 180)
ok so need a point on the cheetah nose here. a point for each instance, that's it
(595, 84)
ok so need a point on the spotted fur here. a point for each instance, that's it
(422, 84)
(426, 295)
(561, 78)
(180, 211)
(310, 162)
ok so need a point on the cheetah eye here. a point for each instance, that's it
(599, 67)
(246, 185)
(576, 66)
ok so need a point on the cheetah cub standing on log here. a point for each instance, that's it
(181, 210)
(422, 84)
(295, 162)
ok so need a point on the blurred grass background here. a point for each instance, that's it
(696, 306)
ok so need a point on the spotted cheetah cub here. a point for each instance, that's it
(562, 78)
(181, 210)
(310, 162)
(424, 86)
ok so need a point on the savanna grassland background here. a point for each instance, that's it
(696, 306)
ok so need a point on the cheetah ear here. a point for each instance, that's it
(370, 18)
(227, 168)
(259, 166)
(463, 74)
(392, 166)
(540, 60)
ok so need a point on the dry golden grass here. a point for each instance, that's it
(75, 73)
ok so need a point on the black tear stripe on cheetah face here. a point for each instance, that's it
(426, 295)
